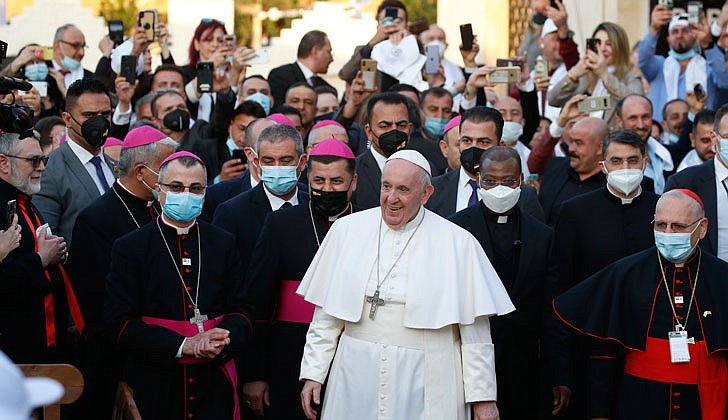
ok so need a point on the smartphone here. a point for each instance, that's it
(540, 68)
(699, 92)
(261, 57)
(10, 209)
(432, 63)
(390, 15)
(667, 3)
(593, 44)
(204, 76)
(3, 50)
(369, 72)
(595, 103)
(240, 154)
(128, 68)
(41, 87)
(507, 62)
(116, 31)
(466, 36)
(45, 53)
(148, 21)
(531, 178)
(506, 75)
(695, 9)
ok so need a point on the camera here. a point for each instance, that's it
(15, 118)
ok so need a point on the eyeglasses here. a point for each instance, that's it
(491, 182)
(661, 226)
(209, 20)
(74, 45)
(35, 160)
(179, 188)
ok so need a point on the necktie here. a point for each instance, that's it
(474, 195)
(286, 205)
(100, 172)
(313, 80)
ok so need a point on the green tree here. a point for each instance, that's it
(421, 9)
(123, 10)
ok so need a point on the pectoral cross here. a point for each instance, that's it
(198, 319)
(376, 302)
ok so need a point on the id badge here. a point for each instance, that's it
(679, 352)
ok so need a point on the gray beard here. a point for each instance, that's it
(26, 186)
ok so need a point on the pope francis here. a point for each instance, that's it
(402, 301)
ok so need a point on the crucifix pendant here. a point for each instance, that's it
(375, 303)
(198, 319)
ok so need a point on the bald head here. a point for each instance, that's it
(510, 109)
(677, 204)
(254, 129)
(587, 139)
(317, 135)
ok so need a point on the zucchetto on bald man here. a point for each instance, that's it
(412, 156)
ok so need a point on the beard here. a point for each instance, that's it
(682, 48)
(25, 185)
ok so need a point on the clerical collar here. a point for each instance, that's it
(343, 213)
(123, 187)
(625, 200)
(180, 230)
(412, 224)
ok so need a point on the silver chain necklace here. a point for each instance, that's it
(125, 206)
(374, 300)
(199, 318)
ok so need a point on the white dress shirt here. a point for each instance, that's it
(84, 156)
(381, 160)
(70, 77)
(307, 73)
(464, 190)
(277, 202)
(721, 189)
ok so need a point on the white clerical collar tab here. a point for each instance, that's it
(180, 230)
(502, 219)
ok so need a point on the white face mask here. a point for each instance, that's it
(440, 46)
(500, 199)
(512, 131)
(625, 181)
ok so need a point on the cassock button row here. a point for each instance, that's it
(187, 270)
(191, 398)
(189, 287)
(676, 394)
(191, 380)
(190, 306)
(678, 281)
(675, 407)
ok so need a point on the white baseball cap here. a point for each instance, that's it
(548, 27)
(20, 395)
(680, 19)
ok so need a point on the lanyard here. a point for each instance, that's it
(678, 326)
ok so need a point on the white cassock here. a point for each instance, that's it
(428, 351)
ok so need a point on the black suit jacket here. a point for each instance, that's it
(222, 192)
(366, 195)
(444, 200)
(554, 189)
(701, 180)
(243, 216)
(517, 335)
(283, 77)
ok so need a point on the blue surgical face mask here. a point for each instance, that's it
(674, 246)
(280, 180)
(70, 64)
(36, 72)
(183, 207)
(262, 99)
(155, 194)
(682, 56)
(435, 126)
(723, 150)
(672, 138)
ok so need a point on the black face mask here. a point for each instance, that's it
(94, 130)
(392, 141)
(177, 120)
(470, 159)
(539, 19)
(330, 203)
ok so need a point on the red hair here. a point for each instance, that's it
(202, 28)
